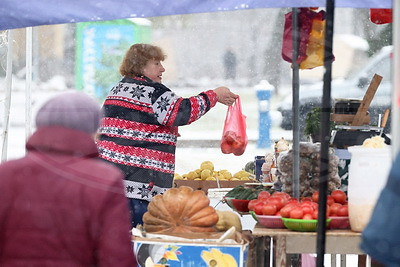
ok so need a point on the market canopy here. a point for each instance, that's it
(22, 14)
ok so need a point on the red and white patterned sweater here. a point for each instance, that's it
(139, 130)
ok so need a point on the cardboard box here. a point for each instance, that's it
(174, 251)
(205, 185)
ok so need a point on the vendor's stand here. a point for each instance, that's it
(9, 5)
(292, 242)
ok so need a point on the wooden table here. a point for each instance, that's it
(293, 242)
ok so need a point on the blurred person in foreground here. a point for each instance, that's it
(60, 205)
(140, 126)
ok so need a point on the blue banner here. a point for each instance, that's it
(22, 14)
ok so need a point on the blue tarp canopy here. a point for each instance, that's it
(20, 14)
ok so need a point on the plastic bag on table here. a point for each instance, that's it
(234, 137)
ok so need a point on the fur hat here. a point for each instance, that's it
(75, 110)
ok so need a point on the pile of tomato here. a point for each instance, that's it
(282, 204)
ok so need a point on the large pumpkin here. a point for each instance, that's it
(180, 210)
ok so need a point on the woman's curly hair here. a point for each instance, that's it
(137, 57)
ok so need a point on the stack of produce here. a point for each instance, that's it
(207, 172)
(281, 204)
(309, 170)
(184, 210)
(239, 197)
(268, 168)
(244, 192)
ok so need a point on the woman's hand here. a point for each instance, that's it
(225, 96)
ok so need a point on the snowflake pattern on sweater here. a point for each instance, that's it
(139, 131)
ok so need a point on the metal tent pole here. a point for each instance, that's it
(325, 132)
(7, 102)
(395, 125)
(295, 101)
(28, 83)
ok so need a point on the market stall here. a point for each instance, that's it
(40, 15)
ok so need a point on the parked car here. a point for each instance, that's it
(352, 87)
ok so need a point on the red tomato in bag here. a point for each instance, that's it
(225, 148)
(239, 151)
(230, 137)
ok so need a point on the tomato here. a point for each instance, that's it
(237, 144)
(307, 209)
(330, 200)
(291, 205)
(285, 211)
(278, 201)
(278, 214)
(293, 200)
(334, 208)
(314, 205)
(229, 137)
(315, 214)
(343, 211)
(339, 196)
(308, 217)
(263, 194)
(239, 151)
(306, 203)
(225, 148)
(296, 213)
(328, 210)
(258, 208)
(304, 199)
(315, 196)
(231, 143)
(252, 204)
(263, 200)
(285, 195)
(269, 209)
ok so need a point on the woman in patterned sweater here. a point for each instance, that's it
(139, 130)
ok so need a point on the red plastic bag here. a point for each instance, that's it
(234, 138)
(381, 15)
(316, 43)
(305, 18)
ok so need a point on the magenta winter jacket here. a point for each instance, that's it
(62, 206)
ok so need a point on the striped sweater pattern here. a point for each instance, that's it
(139, 131)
